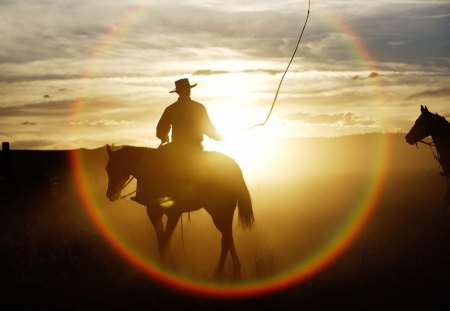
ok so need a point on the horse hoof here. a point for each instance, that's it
(237, 275)
(218, 274)
(237, 272)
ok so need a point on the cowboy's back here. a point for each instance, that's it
(188, 120)
(176, 162)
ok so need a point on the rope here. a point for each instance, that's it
(285, 72)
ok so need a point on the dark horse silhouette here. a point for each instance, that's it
(436, 126)
(217, 187)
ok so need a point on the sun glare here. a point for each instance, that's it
(234, 110)
(251, 148)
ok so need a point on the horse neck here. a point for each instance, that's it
(441, 139)
(132, 157)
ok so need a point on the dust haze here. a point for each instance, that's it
(303, 196)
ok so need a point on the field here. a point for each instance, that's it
(53, 256)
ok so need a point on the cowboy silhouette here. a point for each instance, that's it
(188, 119)
(179, 157)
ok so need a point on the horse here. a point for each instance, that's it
(436, 126)
(219, 189)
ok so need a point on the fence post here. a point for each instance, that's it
(5, 171)
(5, 165)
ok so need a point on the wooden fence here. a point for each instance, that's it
(30, 176)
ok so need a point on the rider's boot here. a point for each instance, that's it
(139, 198)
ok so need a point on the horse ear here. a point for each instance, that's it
(423, 108)
(108, 148)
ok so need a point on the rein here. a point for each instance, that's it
(131, 179)
(124, 186)
(431, 145)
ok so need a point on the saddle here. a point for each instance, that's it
(173, 171)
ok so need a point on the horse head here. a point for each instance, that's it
(117, 174)
(422, 127)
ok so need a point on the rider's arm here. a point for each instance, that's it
(209, 129)
(163, 127)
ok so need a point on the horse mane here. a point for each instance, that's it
(133, 153)
(441, 119)
(136, 148)
(442, 143)
(443, 127)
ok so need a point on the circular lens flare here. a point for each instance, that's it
(312, 264)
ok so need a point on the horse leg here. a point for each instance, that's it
(223, 256)
(228, 246)
(172, 220)
(236, 262)
(225, 225)
(156, 219)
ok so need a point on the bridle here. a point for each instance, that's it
(431, 145)
(131, 179)
(124, 186)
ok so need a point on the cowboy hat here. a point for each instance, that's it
(182, 84)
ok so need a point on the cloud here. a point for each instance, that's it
(342, 119)
(440, 92)
(45, 52)
(369, 76)
(178, 30)
(398, 43)
(36, 77)
(445, 15)
(266, 71)
(47, 108)
(102, 122)
(183, 28)
(208, 72)
(29, 123)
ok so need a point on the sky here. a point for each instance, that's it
(80, 74)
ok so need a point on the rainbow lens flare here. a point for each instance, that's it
(324, 255)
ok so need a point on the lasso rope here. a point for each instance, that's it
(285, 72)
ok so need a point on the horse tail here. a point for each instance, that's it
(245, 210)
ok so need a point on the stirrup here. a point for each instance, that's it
(165, 202)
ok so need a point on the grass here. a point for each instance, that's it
(51, 256)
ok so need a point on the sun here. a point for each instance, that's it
(253, 149)
(235, 109)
